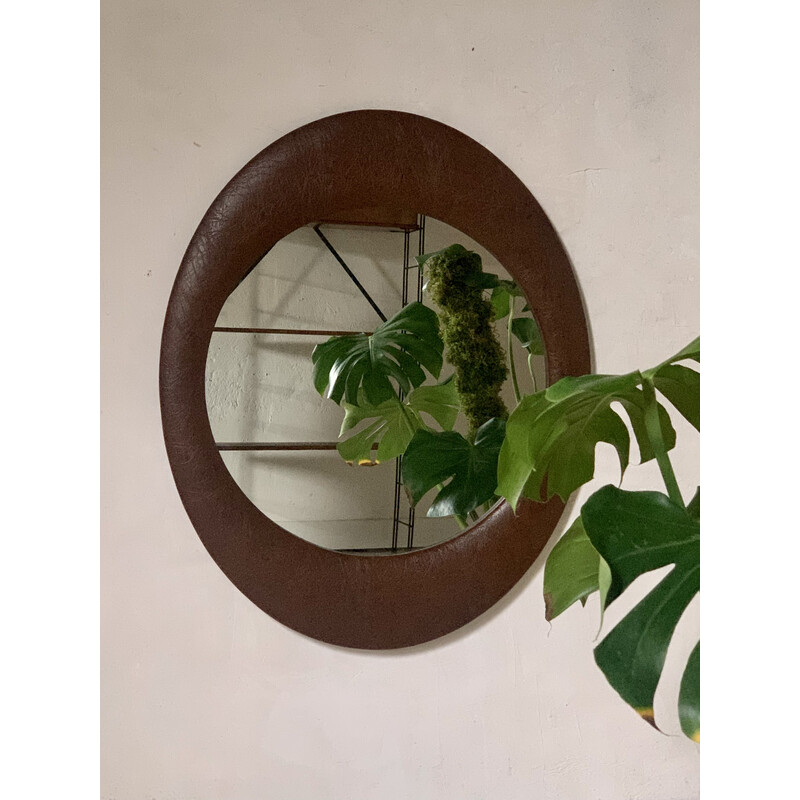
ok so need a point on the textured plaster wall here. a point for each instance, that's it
(594, 106)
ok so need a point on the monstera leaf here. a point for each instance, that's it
(395, 423)
(689, 698)
(636, 533)
(471, 468)
(681, 386)
(529, 335)
(397, 350)
(390, 433)
(440, 401)
(502, 296)
(574, 570)
(690, 352)
(552, 435)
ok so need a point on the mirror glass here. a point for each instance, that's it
(277, 435)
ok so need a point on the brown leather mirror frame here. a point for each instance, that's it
(359, 159)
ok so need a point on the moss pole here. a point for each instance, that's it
(469, 338)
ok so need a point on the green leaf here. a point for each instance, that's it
(470, 469)
(391, 432)
(396, 423)
(482, 280)
(604, 584)
(529, 335)
(681, 386)
(552, 435)
(637, 532)
(501, 295)
(501, 304)
(690, 352)
(514, 465)
(573, 571)
(694, 506)
(635, 407)
(396, 351)
(440, 401)
(689, 699)
(599, 385)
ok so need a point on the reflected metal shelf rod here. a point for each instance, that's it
(276, 445)
(290, 331)
(349, 272)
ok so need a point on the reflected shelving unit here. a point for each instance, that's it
(394, 220)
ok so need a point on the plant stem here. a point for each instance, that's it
(517, 395)
(533, 377)
(652, 424)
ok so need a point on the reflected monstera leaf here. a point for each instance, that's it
(395, 422)
(530, 337)
(501, 297)
(396, 351)
(470, 468)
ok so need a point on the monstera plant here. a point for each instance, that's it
(379, 379)
(543, 448)
(549, 450)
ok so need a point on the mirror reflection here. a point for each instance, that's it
(362, 366)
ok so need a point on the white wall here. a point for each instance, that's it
(594, 106)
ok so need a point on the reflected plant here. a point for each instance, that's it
(504, 297)
(392, 357)
(379, 378)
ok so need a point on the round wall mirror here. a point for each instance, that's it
(280, 256)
